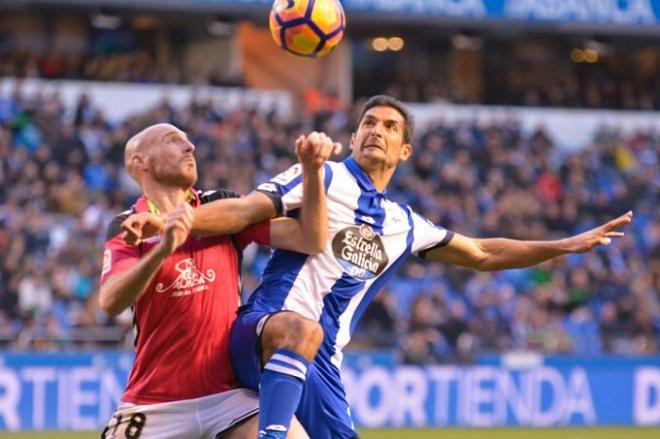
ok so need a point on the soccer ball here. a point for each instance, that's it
(309, 28)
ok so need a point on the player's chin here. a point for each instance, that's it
(372, 153)
(188, 178)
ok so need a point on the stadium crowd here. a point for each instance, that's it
(574, 88)
(512, 88)
(62, 180)
(137, 66)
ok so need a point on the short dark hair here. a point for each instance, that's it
(389, 101)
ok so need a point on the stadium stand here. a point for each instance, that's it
(62, 181)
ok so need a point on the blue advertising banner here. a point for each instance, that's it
(597, 12)
(617, 12)
(544, 392)
(79, 391)
(60, 391)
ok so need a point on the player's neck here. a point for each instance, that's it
(380, 177)
(164, 199)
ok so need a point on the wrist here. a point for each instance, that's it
(162, 250)
(312, 167)
(563, 245)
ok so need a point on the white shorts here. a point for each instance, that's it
(198, 418)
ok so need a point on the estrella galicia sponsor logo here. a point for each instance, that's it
(360, 252)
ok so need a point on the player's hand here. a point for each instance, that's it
(313, 150)
(599, 236)
(177, 228)
(140, 226)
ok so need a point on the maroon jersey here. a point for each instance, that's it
(183, 319)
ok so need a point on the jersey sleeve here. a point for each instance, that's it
(218, 194)
(427, 236)
(117, 255)
(258, 233)
(286, 188)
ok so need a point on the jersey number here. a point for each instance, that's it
(133, 428)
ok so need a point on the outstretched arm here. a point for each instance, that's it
(501, 253)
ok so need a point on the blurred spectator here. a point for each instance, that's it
(62, 182)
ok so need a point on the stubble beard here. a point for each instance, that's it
(180, 177)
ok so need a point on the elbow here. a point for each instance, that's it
(110, 307)
(316, 248)
(319, 244)
(483, 263)
(310, 247)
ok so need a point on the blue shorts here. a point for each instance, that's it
(323, 409)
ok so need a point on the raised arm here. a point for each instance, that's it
(493, 254)
(309, 233)
(121, 290)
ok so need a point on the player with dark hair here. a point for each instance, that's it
(325, 295)
(288, 340)
(184, 290)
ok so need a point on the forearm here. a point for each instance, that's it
(503, 253)
(314, 211)
(231, 215)
(118, 292)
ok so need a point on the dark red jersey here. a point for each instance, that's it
(182, 321)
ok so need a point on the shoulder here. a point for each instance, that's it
(334, 165)
(115, 225)
(216, 194)
(416, 219)
(338, 174)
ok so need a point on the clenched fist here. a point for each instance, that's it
(313, 150)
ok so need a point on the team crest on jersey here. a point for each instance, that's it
(189, 281)
(107, 262)
(360, 251)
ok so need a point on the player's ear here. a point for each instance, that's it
(406, 151)
(352, 142)
(138, 161)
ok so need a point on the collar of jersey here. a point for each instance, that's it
(143, 204)
(362, 178)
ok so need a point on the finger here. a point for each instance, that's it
(130, 239)
(620, 221)
(305, 145)
(337, 147)
(176, 225)
(127, 227)
(189, 214)
(614, 234)
(180, 216)
(130, 229)
(325, 139)
(604, 241)
(180, 223)
(313, 138)
(128, 224)
(187, 221)
(300, 141)
(329, 146)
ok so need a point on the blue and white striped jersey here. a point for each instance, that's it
(370, 237)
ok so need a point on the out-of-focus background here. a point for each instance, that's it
(536, 119)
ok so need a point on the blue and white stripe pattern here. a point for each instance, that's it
(288, 363)
(370, 237)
